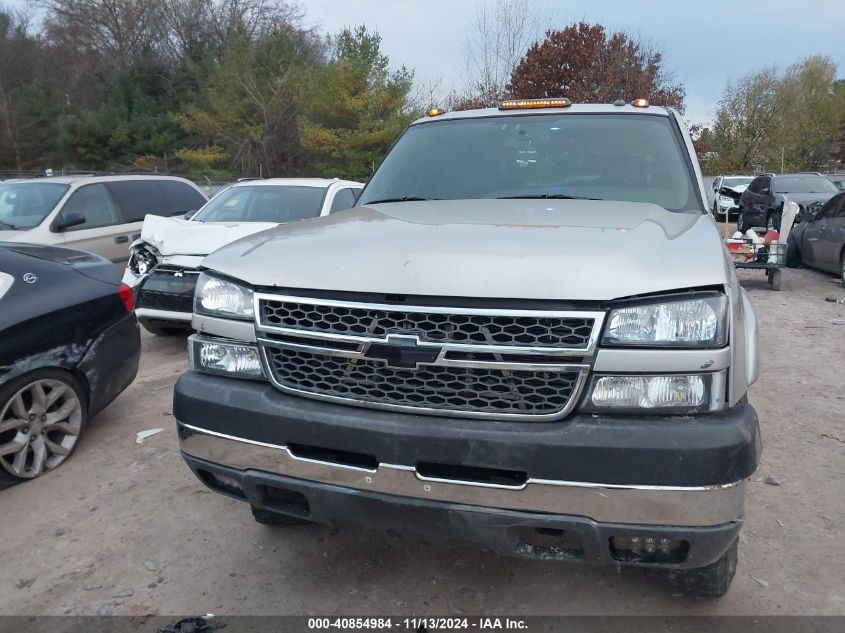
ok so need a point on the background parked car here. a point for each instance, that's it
(164, 263)
(727, 191)
(761, 203)
(820, 241)
(69, 344)
(101, 214)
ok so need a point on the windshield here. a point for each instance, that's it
(736, 182)
(636, 158)
(804, 184)
(24, 205)
(263, 203)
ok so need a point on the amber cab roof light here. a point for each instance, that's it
(436, 111)
(640, 103)
(533, 104)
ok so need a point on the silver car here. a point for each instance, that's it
(100, 214)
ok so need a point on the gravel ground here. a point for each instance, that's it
(124, 528)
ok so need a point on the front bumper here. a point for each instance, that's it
(543, 536)
(587, 476)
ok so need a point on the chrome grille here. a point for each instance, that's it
(513, 330)
(466, 362)
(448, 389)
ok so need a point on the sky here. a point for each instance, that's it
(705, 43)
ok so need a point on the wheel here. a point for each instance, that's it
(741, 225)
(266, 517)
(842, 268)
(41, 419)
(164, 328)
(793, 255)
(774, 278)
(715, 211)
(711, 581)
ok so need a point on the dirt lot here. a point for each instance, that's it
(124, 528)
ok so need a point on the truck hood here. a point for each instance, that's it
(520, 249)
(177, 236)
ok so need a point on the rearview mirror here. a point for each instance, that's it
(69, 220)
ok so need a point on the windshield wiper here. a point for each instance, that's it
(9, 226)
(547, 196)
(402, 199)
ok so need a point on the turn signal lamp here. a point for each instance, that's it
(533, 104)
(640, 103)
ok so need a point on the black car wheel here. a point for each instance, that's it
(741, 224)
(42, 415)
(711, 581)
(842, 268)
(793, 255)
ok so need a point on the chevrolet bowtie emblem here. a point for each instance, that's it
(403, 352)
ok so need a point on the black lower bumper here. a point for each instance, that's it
(513, 533)
(707, 450)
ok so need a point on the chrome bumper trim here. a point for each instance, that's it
(227, 328)
(644, 505)
(164, 315)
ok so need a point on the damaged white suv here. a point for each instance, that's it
(528, 334)
(164, 262)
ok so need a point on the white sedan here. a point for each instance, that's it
(164, 263)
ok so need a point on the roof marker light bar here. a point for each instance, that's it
(533, 104)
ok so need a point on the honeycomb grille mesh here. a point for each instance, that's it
(459, 389)
(520, 331)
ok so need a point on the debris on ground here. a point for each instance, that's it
(834, 299)
(126, 593)
(24, 583)
(762, 583)
(140, 436)
(193, 625)
(150, 565)
(60, 532)
(107, 609)
(771, 481)
(91, 587)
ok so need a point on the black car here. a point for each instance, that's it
(762, 203)
(69, 344)
(819, 242)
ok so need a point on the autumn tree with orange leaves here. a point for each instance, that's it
(589, 65)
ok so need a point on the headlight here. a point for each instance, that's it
(225, 359)
(699, 322)
(218, 297)
(141, 260)
(672, 393)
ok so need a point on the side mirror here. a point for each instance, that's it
(191, 214)
(69, 220)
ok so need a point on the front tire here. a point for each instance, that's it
(42, 415)
(741, 224)
(842, 268)
(711, 581)
(793, 255)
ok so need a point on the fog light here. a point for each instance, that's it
(228, 359)
(648, 549)
(672, 393)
